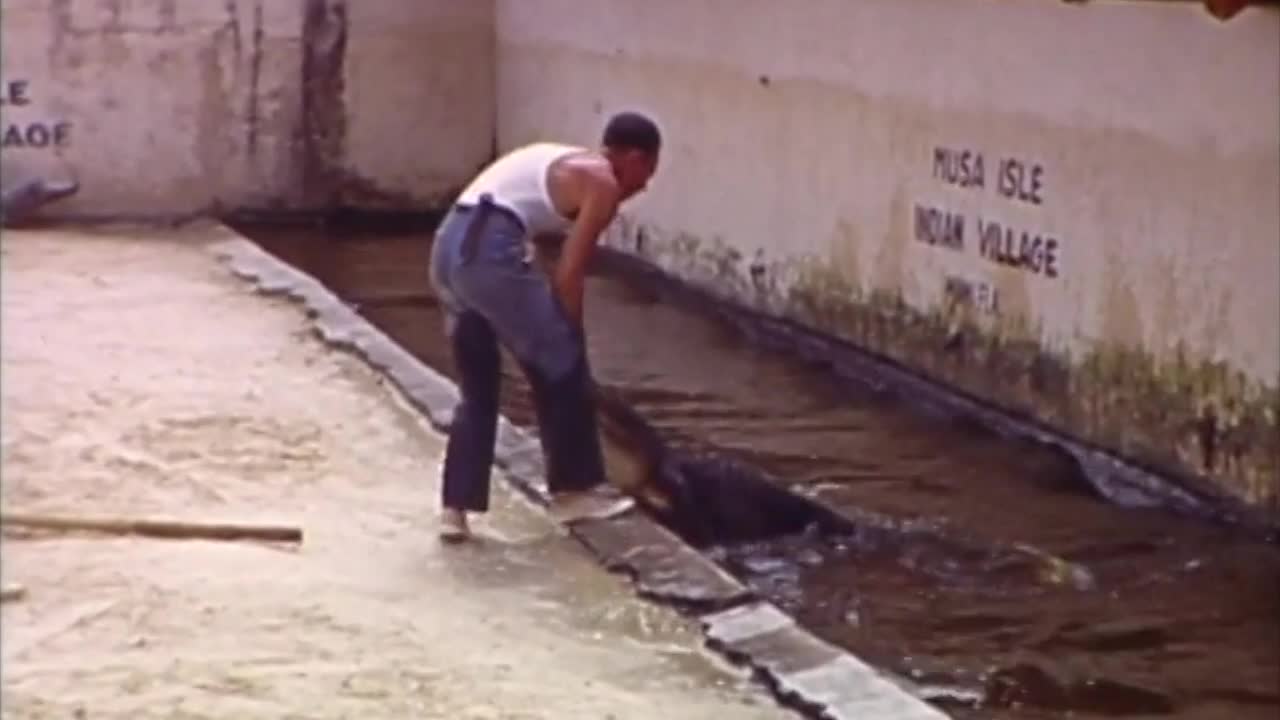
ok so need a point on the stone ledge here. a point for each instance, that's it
(807, 672)
(663, 567)
(804, 672)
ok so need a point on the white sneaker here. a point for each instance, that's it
(598, 504)
(453, 526)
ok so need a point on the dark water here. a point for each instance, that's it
(984, 569)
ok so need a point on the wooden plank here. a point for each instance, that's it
(169, 529)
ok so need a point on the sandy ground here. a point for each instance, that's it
(140, 378)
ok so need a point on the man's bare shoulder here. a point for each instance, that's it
(574, 176)
(587, 165)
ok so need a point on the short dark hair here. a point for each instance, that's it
(632, 131)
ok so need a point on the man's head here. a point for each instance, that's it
(631, 143)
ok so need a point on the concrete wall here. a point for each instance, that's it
(1116, 269)
(164, 107)
(416, 100)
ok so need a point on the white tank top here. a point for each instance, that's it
(518, 182)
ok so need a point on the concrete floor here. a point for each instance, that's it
(141, 379)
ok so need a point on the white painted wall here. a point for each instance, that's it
(179, 106)
(166, 110)
(419, 94)
(807, 131)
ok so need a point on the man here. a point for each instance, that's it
(493, 294)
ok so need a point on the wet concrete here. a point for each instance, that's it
(987, 570)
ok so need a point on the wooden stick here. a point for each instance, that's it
(171, 529)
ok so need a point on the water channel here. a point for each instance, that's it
(985, 569)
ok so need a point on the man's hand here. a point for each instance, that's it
(569, 290)
(599, 203)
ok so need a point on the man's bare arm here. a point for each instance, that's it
(596, 210)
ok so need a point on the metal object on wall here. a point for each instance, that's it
(23, 200)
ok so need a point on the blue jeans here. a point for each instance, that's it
(492, 294)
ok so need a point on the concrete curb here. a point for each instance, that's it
(808, 672)
(803, 671)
